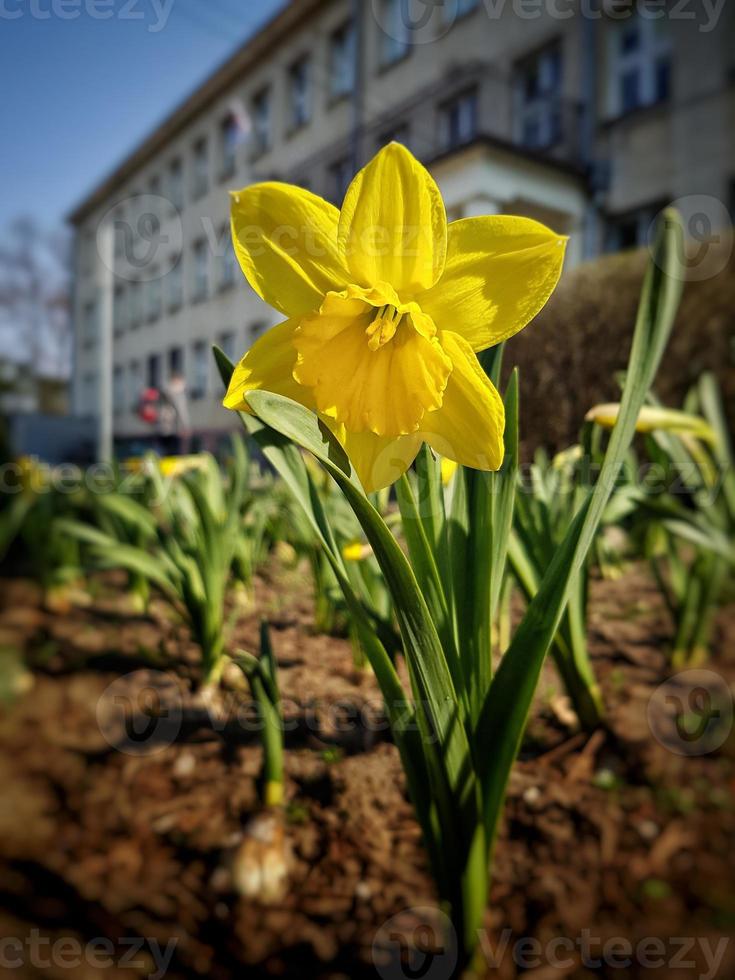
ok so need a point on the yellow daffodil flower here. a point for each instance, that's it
(386, 307)
(356, 551)
(652, 418)
(178, 465)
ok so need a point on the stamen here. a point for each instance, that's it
(383, 328)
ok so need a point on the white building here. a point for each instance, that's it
(589, 115)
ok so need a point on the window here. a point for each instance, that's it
(89, 324)
(118, 389)
(299, 92)
(153, 371)
(175, 285)
(342, 61)
(458, 120)
(119, 310)
(84, 249)
(537, 92)
(631, 230)
(255, 330)
(89, 393)
(199, 174)
(226, 342)
(154, 186)
(118, 227)
(229, 135)
(200, 271)
(340, 174)
(175, 361)
(153, 297)
(227, 260)
(134, 385)
(399, 133)
(262, 121)
(176, 185)
(395, 28)
(640, 64)
(199, 369)
(135, 309)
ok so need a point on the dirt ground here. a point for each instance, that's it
(128, 835)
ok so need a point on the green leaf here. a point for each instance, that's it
(135, 560)
(505, 711)
(130, 511)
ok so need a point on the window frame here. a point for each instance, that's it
(200, 168)
(176, 196)
(199, 370)
(295, 121)
(446, 143)
(644, 59)
(175, 278)
(545, 106)
(347, 30)
(200, 288)
(262, 132)
(227, 131)
(387, 58)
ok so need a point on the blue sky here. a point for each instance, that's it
(80, 91)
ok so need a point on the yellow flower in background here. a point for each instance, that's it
(387, 305)
(448, 469)
(178, 465)
(356, 551)
(653, 418)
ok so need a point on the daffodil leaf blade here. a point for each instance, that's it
(447, 757)
(423, 561)
(504, 492)
(483, 515)
(286, 459)
(302, 427)
(502, 721)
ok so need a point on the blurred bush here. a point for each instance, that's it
(570, 354)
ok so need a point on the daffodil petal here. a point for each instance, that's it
(268, 366)
(378, 460)
(393, 225)
(469, 426)
(285, 239)
(500, 271)
(386, 391)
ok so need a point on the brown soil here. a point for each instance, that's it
(614, 834)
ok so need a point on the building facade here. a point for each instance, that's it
(588, 116)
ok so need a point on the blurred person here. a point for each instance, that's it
(173, 416)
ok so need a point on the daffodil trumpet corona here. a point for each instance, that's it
(386, 306)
